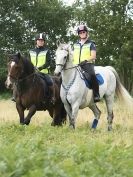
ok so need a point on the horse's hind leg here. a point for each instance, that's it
(56, 115)
(31, 112)
(96, 113)
(109, 104)
(59, 115)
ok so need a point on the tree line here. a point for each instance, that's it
(110, 23)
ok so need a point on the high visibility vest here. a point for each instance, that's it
(39, 60)
(81, 53)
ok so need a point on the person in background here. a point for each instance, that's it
(85, 54)
(41, 59)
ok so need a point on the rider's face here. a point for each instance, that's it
(82, 34)
(40, 42)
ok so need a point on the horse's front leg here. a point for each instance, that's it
(74, 114)
(72, 111)
(20, 110)
(31, 112)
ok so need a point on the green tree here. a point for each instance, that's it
(112, 31)
(21, 20)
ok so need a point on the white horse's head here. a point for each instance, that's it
(63, 56)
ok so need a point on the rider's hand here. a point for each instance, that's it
(83, 62)
(36, 68)
(40, 68)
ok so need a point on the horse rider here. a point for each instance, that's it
(41, 59)
(85, 55)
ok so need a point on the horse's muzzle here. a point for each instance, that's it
(8, 84)
(57, 74)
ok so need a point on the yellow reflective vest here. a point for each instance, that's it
(39, 60)
(81, 53)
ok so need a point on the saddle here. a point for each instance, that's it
(99, 78)
(46, 77)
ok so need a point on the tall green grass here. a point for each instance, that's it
(45, 151)
(39, 150)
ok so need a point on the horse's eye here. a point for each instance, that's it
(65, 57)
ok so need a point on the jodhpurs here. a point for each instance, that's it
(89, 69)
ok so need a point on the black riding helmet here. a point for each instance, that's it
(82, 28)
(40, 36)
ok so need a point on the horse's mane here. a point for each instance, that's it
(28, 66)
(67, 47)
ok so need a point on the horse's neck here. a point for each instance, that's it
(69, 72)
(28, 67)
(26, 81)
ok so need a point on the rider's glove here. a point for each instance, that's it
(36, 68)
(83, 62)
(40, 68)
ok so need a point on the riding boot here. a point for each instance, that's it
(95, 87)
(52, 94)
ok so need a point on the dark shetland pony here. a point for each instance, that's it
(32, 91)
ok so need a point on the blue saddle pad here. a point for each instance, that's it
(99, 79)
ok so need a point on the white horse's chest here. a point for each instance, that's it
(76, 92)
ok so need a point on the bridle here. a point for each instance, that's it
(19, 79)
(66, 59)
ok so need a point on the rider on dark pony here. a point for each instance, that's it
(41, 59)
(85, 55)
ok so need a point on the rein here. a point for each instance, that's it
(20, 80)
(63, 66)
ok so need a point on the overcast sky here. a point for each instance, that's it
(68, 2)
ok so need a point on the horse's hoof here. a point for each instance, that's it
(52, 124)
(93, 129)
(26, 122)
(109, 128)
(22, 123)
(56, 124)
(72, 127)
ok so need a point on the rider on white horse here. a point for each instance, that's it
(85, 55)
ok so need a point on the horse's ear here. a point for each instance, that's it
(9, 57)
(57, 43)
(19, 55)
(69, 46)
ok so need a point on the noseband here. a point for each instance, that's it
(63, 65)
(20, 78)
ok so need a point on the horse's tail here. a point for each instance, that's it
(121, 91)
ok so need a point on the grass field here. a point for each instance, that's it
(39, 150)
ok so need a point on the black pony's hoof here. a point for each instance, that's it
(52, 123)
(26, 122)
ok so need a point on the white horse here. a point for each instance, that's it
(74, 93)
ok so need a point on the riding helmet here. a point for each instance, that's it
(82, 28)
(40, 36)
